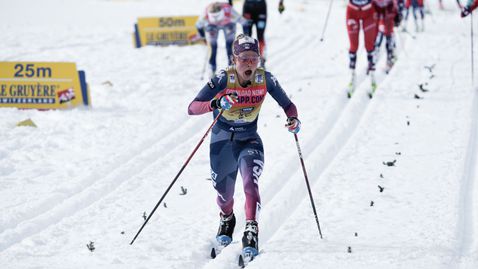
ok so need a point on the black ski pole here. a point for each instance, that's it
(326, 20)
(177, 176)
(307, 183)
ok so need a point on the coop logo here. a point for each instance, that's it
(66, 95)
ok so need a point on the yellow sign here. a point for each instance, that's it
(165, 31)
(42, 85)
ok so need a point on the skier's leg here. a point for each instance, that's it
(211, 37)
(369, 23)
(247, 12)
(251, 164)
(261, 23)
(353, 27)
(388, 31)
(229, 34)
(223, 170)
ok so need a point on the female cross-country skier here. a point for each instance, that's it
(238, 92)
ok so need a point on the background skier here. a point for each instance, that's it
(361, 13)
(417, 6)
(255, 11)
(218, 16)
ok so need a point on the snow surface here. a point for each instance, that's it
(89, 174)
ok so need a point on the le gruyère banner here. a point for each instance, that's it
(165, 31)
(42, 85)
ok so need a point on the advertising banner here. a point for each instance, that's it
(42, 85)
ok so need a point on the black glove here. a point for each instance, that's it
(293, 125)
(465, 11)
(398, 19)
(201, 32)
(281, 7)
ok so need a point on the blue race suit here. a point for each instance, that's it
(235, 143)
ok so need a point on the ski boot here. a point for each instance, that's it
(226, 228)
(250, 243)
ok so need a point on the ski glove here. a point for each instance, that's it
(293, 125)
(465, 11)
(201, 32)
(281, 7)
(224, 102)
(398, 19)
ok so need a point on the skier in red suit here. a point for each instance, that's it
(361, 12)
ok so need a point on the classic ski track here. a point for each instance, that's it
(466, 232)
(95, 186)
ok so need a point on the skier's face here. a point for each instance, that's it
(246, 64)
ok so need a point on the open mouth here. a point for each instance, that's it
(248, 72)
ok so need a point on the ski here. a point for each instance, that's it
(350, 90)
(351, 85)
(373, 85)
(373, 89)
(248, 255)
(222, 242)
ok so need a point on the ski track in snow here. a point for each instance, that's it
(93, 188)
(468, 192)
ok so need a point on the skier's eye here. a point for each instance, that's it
(246, 59)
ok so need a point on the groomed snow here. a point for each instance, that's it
(89, 174)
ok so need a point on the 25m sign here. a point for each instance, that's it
(42, 85)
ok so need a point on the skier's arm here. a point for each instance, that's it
(276, 91)
(205, 101)
(200, 25)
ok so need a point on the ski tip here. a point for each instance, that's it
(241, 261)
(213, 253)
